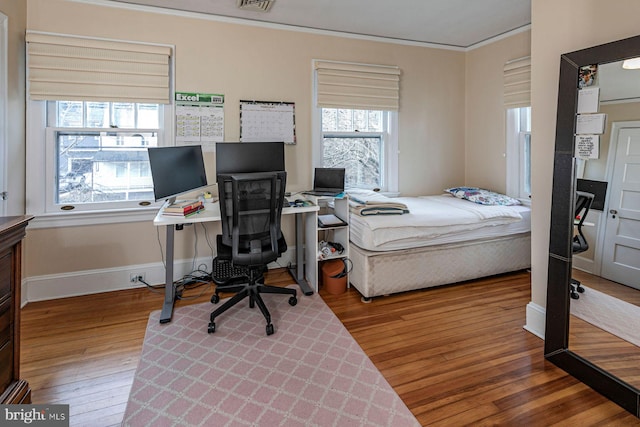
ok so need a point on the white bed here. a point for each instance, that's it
(441, 240)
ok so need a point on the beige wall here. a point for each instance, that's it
(16, 12)
(560, 27)
(622, 112)
(485, 164)
(245, 62)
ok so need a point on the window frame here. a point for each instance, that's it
(41, 166)
(389, 161)
(516, 166)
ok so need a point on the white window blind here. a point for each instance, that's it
(517, 83)
(357, 86)
(71, 68)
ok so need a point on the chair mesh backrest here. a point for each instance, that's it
(251, 208)
(583, 204)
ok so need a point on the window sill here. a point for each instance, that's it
(73, 219)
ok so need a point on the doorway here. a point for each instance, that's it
(621, 240)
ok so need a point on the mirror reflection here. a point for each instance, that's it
(605, 296)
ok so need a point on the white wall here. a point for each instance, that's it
(251, 62)
(485, 149)
(559, 27)
(444, 122)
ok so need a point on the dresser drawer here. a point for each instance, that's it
(5, 322)
(6, 365)
(5, 274)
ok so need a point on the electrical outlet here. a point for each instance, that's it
(136, 278)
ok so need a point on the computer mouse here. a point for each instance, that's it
(299, 202)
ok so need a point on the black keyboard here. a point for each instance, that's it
(225, 272)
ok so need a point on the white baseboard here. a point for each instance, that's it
(54, 286)
(535, 319)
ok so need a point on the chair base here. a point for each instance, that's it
(574, 287)
(252, 290)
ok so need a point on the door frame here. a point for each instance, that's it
(4, 133)
(616, 127)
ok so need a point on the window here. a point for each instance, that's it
(100, 149)
(88, 161)
(356, 123)
(356, 140)
(519, 152)
(89, 123)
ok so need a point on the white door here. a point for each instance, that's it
(621, 255)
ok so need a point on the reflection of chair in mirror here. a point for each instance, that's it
(580, 244)
(250, 207)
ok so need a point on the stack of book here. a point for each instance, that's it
(183, 208)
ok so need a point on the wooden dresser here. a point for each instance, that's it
(12, 388)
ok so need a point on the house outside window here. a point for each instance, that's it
(100, 149)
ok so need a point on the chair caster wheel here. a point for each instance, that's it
(212, 328)
(293, 301)
(215, 298)
(270, 329)
(574, 295)
(581, 290)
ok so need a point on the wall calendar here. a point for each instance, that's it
(265, 121)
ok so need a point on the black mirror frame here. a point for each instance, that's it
(561, 230)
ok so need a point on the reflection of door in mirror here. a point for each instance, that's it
(621, 254)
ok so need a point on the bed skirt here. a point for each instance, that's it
(383, 273)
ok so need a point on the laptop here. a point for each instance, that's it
(327, 182)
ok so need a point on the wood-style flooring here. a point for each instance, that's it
(457, 355)
(617, 356)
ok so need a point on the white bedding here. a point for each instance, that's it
(434, 220)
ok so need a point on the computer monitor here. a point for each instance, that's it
(246, 157)
(597, 188)
(176, 170)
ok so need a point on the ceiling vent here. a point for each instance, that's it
(255, 5)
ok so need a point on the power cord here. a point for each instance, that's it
(193, 280)
(153, 288)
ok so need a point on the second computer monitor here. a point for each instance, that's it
(246, 157)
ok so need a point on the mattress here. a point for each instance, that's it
(383, 273)
(437, 220)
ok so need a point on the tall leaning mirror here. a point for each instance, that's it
(593, 288)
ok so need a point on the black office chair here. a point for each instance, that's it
(580, 244)
(250, 207)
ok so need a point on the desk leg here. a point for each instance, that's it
(167, 307)
(298, 271)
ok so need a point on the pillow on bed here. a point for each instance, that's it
(482, 196)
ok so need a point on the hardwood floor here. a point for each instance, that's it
(615, 355)
(457, 355)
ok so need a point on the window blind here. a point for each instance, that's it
(71, 68)
(517, 83)
(357, 86)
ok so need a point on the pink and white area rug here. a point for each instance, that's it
(311, 372)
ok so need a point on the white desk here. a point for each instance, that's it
(211, 213)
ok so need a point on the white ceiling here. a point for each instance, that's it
(448, 23)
